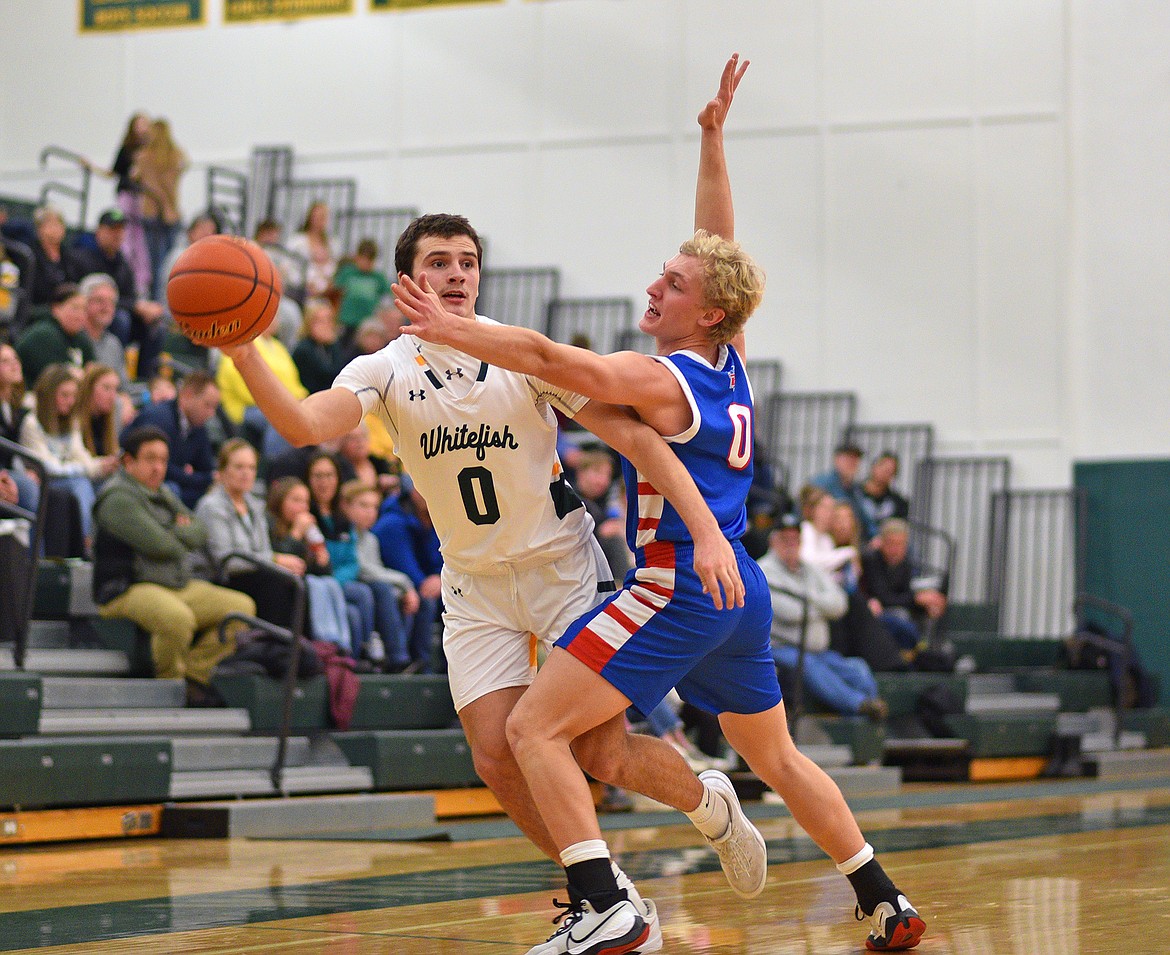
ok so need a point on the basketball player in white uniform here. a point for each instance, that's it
(520, 562)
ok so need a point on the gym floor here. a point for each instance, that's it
(1067, 868)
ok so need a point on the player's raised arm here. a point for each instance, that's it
(714, 558)
(317, 418)
(625, 378)
(713, 207)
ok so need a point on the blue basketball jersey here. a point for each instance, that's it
(716, 450)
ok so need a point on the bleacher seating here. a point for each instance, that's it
(596, 323)
(800, 429)
(518, 296)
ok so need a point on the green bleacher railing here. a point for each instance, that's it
(78, 193)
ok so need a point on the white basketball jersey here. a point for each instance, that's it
(480, 444)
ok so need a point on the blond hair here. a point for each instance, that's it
(731, 281)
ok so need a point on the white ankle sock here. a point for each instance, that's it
(855, 862)
(711, 817)
(581, 851)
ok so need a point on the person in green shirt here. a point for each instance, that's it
(58, 340)
(362, 287)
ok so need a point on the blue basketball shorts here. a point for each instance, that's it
(660, 631)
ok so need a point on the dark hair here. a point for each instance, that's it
(278, 490)
(892, 455)
(195, 382)
(443, 225)
(133, 440)
(368, 248)
(64, 292)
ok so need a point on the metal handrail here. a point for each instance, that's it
(80, 193)
(1080, 603)
(37, 520)
(291, 635)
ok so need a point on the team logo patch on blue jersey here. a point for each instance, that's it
(731, 379)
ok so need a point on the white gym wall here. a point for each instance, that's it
(962, 205)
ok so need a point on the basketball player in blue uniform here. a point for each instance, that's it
(661, 631)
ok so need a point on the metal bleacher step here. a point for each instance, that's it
(78, 692)
(68, 661)
(1117, 763)
(1012, 703)
(153, 720)
(982, 684)
(209, 783)
(215, 753)
(286, 817)
(827, 756)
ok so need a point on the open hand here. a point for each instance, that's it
(718, 569)
(422, 308)
(715, 112)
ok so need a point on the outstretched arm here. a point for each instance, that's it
(625, 378)
(714, 559)
(317, 418)
(713, 207)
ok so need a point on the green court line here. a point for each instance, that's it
(82, 924)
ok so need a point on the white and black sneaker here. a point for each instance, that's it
(894, 928)
(618, 930)
(742, 850)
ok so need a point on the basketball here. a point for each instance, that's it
(223, 290)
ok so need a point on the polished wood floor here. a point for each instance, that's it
(1039, 869)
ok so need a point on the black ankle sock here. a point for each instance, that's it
(594, 880)
(872, 886)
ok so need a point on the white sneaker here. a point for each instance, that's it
(619, 930)
(375, 649)
(893, 929)
(646, 907)
(742, 851)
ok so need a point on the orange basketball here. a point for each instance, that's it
(223, 290)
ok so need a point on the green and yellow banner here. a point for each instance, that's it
(101, 15)
(250, 11)
(414, 4)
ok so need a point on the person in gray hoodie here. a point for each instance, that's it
(146, 542)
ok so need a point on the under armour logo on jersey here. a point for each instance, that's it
(457, 373)
(420, 394)
(457, 591)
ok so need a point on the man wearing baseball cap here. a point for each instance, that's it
(137, 319)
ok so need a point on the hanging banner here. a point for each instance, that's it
(101, 15)
(251, 11)
(415, 4)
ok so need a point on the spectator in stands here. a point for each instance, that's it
(147, 540)
(204, 224)
(139, 319)
(129, 199)
(902, 603)
(316, 246)
(10, 288)
(60, 340)
(49, 254)
(238, 404)
(844, 684)
(341, 542)
(371, 336)
(816, 542)
(595, 485)
(845, 532)
(879, 501)
(183, 419)
(408, 542)
(12, 415)
(161, 388)
(841, 482)
(318, 354)
(157, 169)
(293, 532)
(394, 594)
(355, 455)
(362, 287)
(14, 560)
(102, 410)
(101, 304)
(53, 434)
(236, 522)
